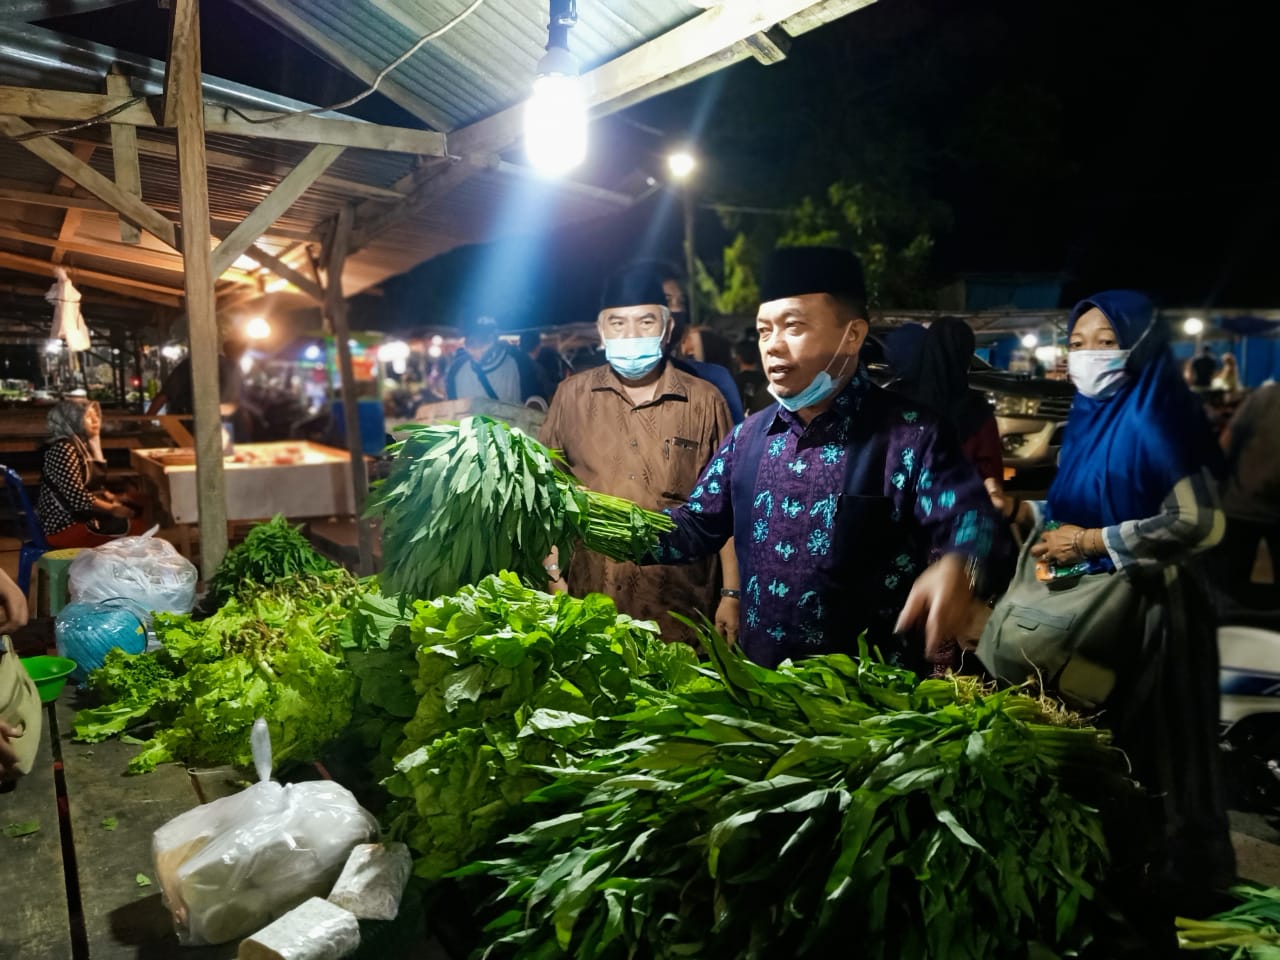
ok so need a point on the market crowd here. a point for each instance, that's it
(838, 508)
(814, 508)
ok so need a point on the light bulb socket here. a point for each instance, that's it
(558, 62)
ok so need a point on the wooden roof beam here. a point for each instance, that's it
(285, 194)
(111, 250)
(124, 155)
(71, 216)
(229, 161)
(65, 162)
(284, 271)
(272, 125)
(138, 289)
(312, 129)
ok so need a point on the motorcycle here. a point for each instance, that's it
(1249, 676)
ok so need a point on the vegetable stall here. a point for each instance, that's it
(567, 784)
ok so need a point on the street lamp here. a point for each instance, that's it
(1193, 327)
(681, 164)
(257, 329)
(1031, 341)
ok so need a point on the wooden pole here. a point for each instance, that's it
(336, 310)
(183, 102)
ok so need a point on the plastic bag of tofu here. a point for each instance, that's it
(230, 867)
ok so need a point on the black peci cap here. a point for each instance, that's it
(796, 271)
(634, 286)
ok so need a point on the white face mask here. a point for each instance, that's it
(1097, 373)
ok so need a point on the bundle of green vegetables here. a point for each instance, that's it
(272, 653)
(475, 498)
(832, 807)
(510, 679)
(1248, 931)
(271, 552)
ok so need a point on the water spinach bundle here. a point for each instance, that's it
(833, 807)
(474, 498)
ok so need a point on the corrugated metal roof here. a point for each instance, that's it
(477, 69)
(487, 61)
(242, 172)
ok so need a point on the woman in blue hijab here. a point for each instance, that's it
(1136, 493)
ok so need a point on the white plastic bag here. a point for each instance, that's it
(147, 570)
(230, 867)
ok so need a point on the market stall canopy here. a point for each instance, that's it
(103, 198)
(1248, 325)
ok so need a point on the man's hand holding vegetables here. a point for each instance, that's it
(852, 509)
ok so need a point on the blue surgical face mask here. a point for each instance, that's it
(632, 358)
(819, 388)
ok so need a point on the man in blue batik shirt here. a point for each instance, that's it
(852, 509)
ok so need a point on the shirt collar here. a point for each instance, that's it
(845, 405)
(672, 384)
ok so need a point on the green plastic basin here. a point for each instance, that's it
(50, 675)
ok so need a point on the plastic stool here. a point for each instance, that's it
(55, 565)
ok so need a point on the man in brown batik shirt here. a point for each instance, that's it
(639, 428)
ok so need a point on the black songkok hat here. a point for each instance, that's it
(796, 271)
(634, 286)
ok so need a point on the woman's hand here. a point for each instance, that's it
(8, 756)
(1061, 547)
(727, 618)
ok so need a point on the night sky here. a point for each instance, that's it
(1111, 143)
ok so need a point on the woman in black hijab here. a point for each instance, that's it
(932, 366)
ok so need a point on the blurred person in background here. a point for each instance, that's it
(1251, 498)
(1203, 369)
(485, 366)
(551, 366)
(177, 395)
(75, 508)
(753, 385)
(932, 367)
(708, 369)
(1228, 378)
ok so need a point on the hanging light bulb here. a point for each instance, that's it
(555, 117)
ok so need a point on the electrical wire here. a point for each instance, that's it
(271, 118)
(377, 80)
(61, 131)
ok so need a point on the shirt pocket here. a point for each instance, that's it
(862, 533)
(682, 461)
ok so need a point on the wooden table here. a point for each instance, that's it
(71, 889)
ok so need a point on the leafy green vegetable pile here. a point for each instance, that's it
(1249, 931)
(467, 500)
(798, 812)
(510, 678)
(273, 653)
(271, 552)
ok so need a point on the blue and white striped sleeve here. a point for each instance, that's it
(1190, 520)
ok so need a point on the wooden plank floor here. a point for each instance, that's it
(123, 921)
(35, 914)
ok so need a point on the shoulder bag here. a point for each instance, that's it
(19, 706)
(1077, 637)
